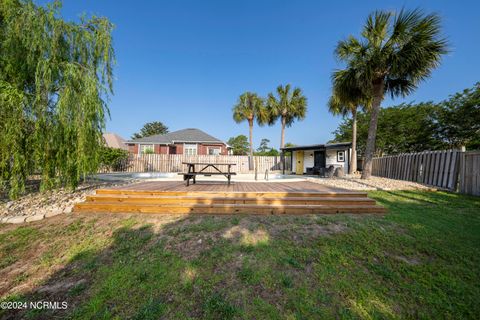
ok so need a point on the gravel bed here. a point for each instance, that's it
(374, 183)
(37, 205)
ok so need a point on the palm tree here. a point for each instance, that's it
(345, 101)
(250, 107)
(396, 52)
(289, 106)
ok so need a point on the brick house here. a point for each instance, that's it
(187, 141)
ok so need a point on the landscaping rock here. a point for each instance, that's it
(339, 173)
(16, 219)
(35, 218)
(68, 209)
(48, 204)
(52, 213)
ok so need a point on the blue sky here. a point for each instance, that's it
(186, 62)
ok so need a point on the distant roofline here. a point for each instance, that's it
(213, 142)
(317, 146)
(153, 139)
(174, 142)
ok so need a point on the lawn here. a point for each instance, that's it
(422, 260)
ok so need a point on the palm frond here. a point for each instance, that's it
(399, 50)
(347, 49)
(376, 28)
(248, 107)
(289, 104)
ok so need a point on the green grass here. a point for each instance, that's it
(422, 260)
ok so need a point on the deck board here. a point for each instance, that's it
(297, 186)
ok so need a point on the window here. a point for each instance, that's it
(190, 150)
(146, 149)
(341, 156)
(213, 151)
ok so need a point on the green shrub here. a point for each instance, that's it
(113, 158)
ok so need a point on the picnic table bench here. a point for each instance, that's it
(192, 172)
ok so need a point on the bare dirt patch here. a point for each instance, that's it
(412, 261)
(247, 237)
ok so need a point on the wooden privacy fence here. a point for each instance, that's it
(470, 173)
(435, 168)
(173, 163)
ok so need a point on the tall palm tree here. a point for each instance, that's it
(346, 101)
(250, 107)
(396, 52)
(290, 105)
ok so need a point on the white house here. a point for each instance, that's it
(313, 159)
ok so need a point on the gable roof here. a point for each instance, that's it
(113, 140)
(189, 135)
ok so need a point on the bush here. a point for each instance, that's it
(113, 158)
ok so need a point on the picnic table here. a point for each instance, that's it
(192, 171)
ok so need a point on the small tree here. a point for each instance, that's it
(272, 152)
(345, 101)
(263, 146)
(239, 145)
(150, 129)
(402, 128)
(113, 158)
(265, 150)
(459, 119)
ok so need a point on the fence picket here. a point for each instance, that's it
(173, 163)
(444, 169)
(446, 172)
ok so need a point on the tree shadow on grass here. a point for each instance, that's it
(198, 267)
(147, 272)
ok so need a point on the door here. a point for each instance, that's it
(319, 159)
(299, 158)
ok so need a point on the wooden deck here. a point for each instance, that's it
(221, 186)
(220, 198)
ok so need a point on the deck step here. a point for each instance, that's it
(339, 194)
(148, 199)
(224, 208)
(226, 202)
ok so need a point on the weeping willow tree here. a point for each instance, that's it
(55, 80)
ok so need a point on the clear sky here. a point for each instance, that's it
(186, 62)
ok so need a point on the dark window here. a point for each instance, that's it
(341, 156)
(319, 159)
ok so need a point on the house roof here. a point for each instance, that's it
(113, 140)
(190, 135)
(319, 146)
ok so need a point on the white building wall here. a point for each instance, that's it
(308, 160)
(331, 159)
